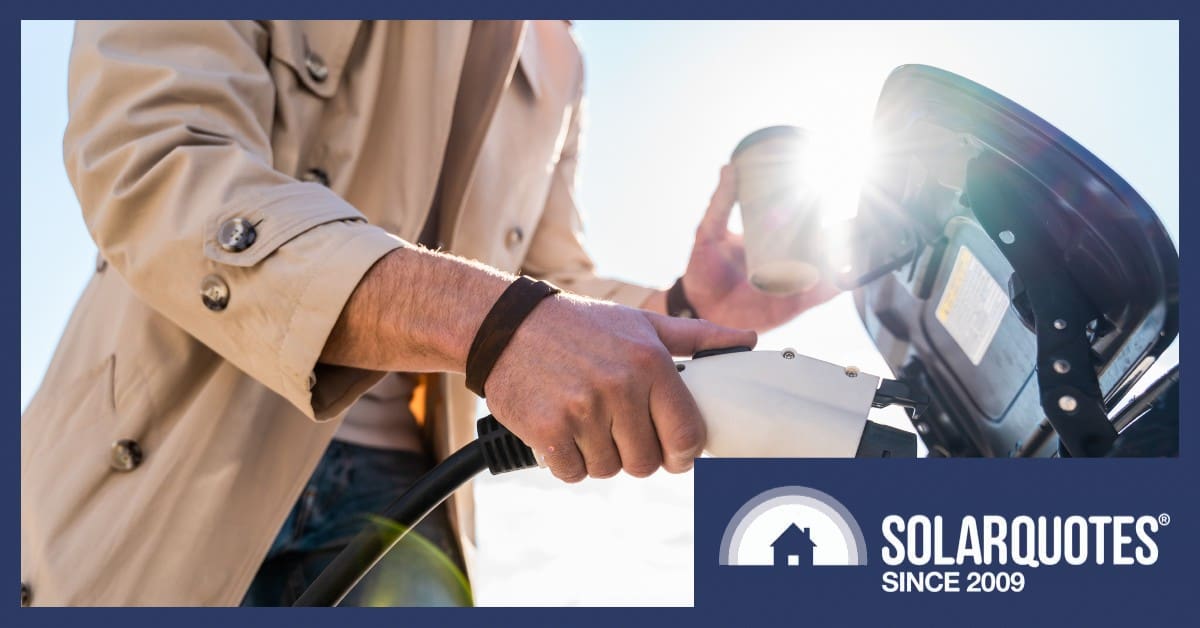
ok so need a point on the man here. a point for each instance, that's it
(257, 192)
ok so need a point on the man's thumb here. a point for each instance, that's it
(686, 336)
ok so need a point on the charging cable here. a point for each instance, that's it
(495, 449)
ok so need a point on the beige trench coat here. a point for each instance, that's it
(299, 128)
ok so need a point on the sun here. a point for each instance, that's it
(840, 163)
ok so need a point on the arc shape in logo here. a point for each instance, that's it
(786, 495)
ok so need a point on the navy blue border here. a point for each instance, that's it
(1182, 473)
(618, 9)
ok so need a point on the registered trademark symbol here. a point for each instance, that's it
(1164, 519)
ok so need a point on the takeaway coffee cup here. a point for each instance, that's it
(780, 209)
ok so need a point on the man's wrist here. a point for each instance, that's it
(664, 302)
(511, 309)
(415, 310)
(677, 303)
(453, 300)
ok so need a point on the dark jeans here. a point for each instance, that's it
(351, 483)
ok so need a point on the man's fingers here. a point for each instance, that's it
(677, 421)
(686, 336)
(600, 456)
(565, 461)
(715, 223)
(633, 432)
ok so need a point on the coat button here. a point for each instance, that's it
(126, 455)
(214, 292)
(515, 236)
(315, 175)
(26, 595)
(236, 235)
(316, 66)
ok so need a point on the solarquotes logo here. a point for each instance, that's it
(793, 526)
(800, 527)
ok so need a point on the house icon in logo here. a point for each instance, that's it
(792, 526)
(794, 547)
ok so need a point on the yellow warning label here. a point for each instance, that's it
(972, 306)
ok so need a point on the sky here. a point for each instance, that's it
(667, 102)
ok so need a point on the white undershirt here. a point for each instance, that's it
(382, 417)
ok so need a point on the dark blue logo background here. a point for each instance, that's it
(1158, 594)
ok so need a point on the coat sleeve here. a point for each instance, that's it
(556, 252)
(169, 138)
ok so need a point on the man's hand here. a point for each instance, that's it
(716, 283)
(591, 387)
(588, 384)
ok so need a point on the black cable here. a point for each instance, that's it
(496, 449)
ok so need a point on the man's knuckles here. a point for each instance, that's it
(605, 467)
(644, 467)
(579, 402)
(646, 356)
(684, 442)
(571, 475)
(616, 381)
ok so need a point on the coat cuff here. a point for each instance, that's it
(630, 294)
(323, 391)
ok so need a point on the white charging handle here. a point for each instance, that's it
(779, 404)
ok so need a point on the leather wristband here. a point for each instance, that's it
(677, 302)
(498, 327)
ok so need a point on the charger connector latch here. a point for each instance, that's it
(502, 450)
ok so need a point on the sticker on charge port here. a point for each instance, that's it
(972, 306)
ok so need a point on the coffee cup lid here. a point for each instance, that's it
(767, 133)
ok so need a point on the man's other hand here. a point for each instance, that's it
(716, 283)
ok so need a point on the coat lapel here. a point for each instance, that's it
(487, 69)
(530, 61)
(427, 57)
